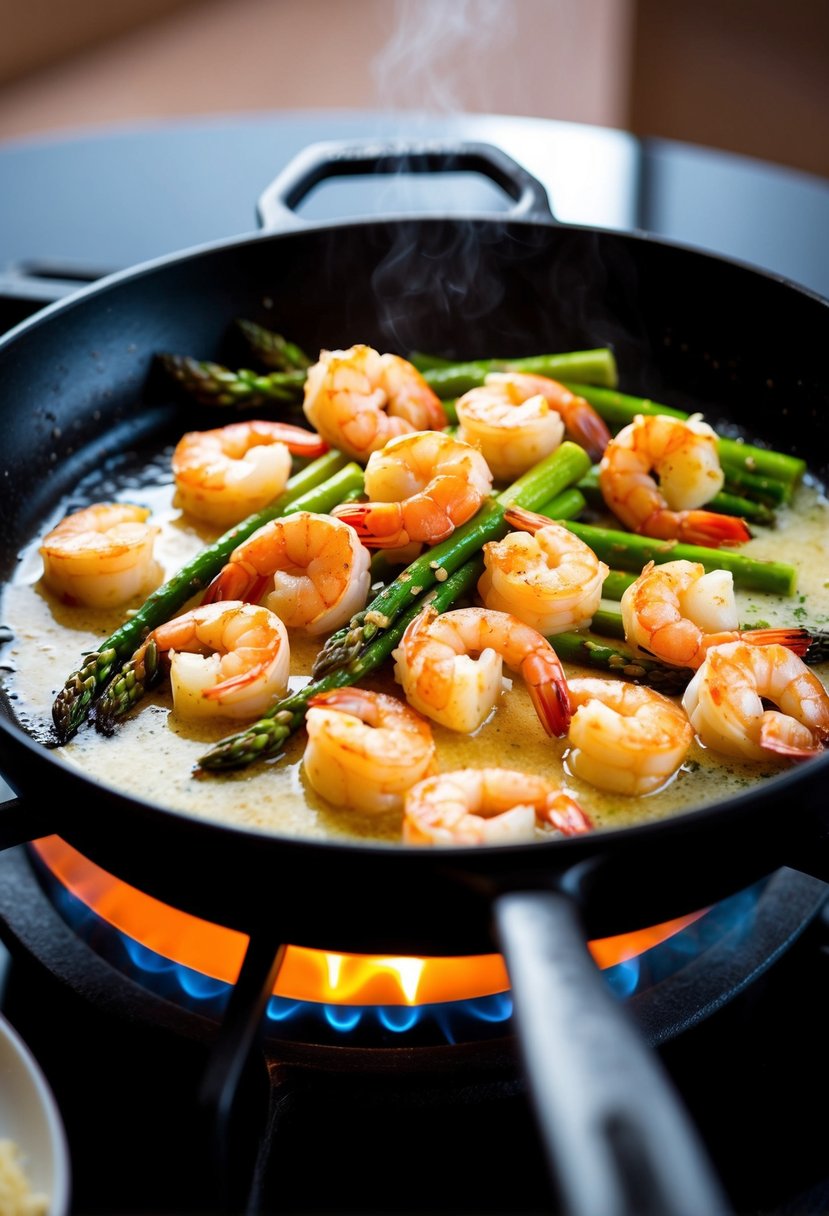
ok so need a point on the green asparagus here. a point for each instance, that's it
(83, 686)
(544, 481)
(267, 736)
(272, 349)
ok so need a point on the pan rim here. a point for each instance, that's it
(743, 803)
(193, 253)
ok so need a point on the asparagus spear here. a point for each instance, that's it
(272, 349)
(545, 480)
(142, 669)
(593, 366)
(84, 685)
(214, 384)
(618, 409)
(266, 737)
(631, 552)
(587, 650)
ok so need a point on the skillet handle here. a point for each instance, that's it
(277, 203)
(21, 822)
(617, 1139)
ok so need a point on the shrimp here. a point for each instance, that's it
(545, 575)
(365, 749)
(358, 399)
(311, 570)
(227, 660)
(489, 806)
(228, 473)
(624, 737)
(516, 419)
(421, 487)
(724, 702)
(101, 556)
(443, 681)
(677, 612)
(683, 455)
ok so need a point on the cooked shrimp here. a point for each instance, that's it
(226, 474)
(226, 660)
(101, 556)
(677, 612)
(311, 570)
(421, 487)
(365, 749)
(489, 806)
(724, 702)
(625, 738)
(358, 399)
(516, 419)
(443, 681)
(683, 455)
(545, 575)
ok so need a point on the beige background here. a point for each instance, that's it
(744, 75)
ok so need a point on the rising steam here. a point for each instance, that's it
(439, 56)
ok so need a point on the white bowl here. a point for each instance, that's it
(29, 1116)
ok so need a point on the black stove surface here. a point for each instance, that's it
(408, 1130)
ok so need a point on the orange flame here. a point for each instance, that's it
(305, 974)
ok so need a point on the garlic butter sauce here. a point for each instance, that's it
(153, 755)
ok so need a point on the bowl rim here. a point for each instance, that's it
(40, 1093)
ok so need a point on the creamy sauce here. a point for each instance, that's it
(154, 755)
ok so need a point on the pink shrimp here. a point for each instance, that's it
(225, 474)
(677, 612)
(421, 487)
(228, 659)
(516, 419)
(726, 703)
(683, 454)
(365, 749)
(358, 399)
(443, 681)
(310, 569)
(489, 806)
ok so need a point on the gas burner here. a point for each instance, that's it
(334, 999)
(338, 1092)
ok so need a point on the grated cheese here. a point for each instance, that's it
(16, 1195)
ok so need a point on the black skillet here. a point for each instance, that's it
(77, 386)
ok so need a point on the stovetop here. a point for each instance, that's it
(405, 1130)
(752, 1073)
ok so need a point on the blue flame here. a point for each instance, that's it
(624, 978)
(446, 1022)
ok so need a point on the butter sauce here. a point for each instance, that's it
(153, 755)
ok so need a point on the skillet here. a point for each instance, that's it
(77, 385)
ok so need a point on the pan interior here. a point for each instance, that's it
(124, 442)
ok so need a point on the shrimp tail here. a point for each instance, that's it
(547, 686)
(711, 529)
(794, 639)
(566, 816)
(299, 440)
(524, 520)
(428, 517)
(587, 428)
(379, 525)
(236, 581)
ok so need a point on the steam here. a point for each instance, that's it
(435, 65)
(440, 53)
